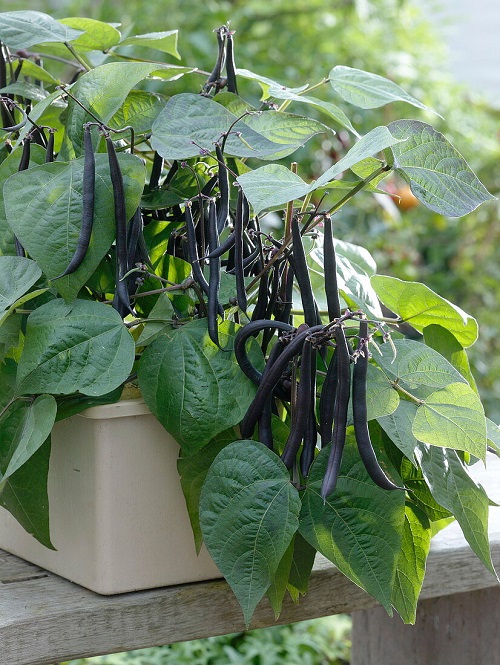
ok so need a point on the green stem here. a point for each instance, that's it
(77, 57)
(414, 399)
(361, 185)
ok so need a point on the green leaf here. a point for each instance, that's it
(493, 434)
(190, 123)
(8, 167)
(276, 90)
(438, 175)
(25, 89)
(410, 570)
(161, 41)
(445, 343)
(302, 564)
(24, 495)
(139, 110)
(359, 527)
(163, 309)
(193, 470)
(70, 405)
(17, 276)
(24, 429)
(43, 206)
(195, 389)
(276, 592)
(398, 426)
(273, 185)
(452, 417)
(32, 70)
(368, 91)
(381, 398)
(10, 335)
(22, 29)
(79, 347)
(249, 513)
(97, 36)
(417, 368)
(291, 130)
(418, 305)
(453, 488)
(115, 78)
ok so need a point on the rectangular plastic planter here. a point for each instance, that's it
(117, 514)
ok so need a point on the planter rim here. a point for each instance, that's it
(126, 407)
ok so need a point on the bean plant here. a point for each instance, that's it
(318, 405)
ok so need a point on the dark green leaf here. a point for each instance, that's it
(195, 389)
(24, 495)
(44, 208)
(249, 513)
(79, 347)
(24, 429)
(192, 123)
(302, 564)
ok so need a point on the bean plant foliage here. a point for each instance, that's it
(319, 406)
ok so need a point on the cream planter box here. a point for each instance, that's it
(117, 514)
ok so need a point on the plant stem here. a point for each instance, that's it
(77, 57)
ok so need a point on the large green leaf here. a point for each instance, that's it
(24, 429)
(418, 305)
(103, 90)
(410, 571)
(452, 487)
(416, 368)
(438, 175)
(97, 36)
(192, 123)
(44, 209)
(24, 495)
(161, 41)
(249, 513)
(274, 185)
(17, 276)
(273, 89)
(368, 91)
(22, 29)
(358, 527)
(194, 388)
(452, 417)
(80, 347)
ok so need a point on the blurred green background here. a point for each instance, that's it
(295, 43)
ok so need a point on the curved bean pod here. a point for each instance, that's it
(360, 417)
